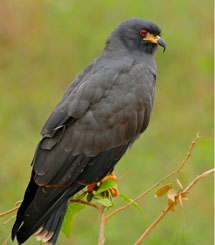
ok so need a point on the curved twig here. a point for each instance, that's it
(166, 210)
(86, 203)
(159, 182)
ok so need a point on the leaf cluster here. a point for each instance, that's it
(103, 195)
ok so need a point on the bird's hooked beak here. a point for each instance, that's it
(155, 39)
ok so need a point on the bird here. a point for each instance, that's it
(102, 113)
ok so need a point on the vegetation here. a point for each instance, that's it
(45, 43)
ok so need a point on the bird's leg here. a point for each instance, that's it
(91, 187)
(113, 191)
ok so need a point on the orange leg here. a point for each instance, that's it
(113, 191)
(91, 187)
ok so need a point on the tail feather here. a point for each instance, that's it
(48, 213)
(53, 240)
(28, 197)
(49, 231)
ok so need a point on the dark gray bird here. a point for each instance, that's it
(102, 113)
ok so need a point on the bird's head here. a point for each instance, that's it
(139, 34)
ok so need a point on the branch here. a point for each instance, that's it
(124, 175)
(102, 224)
(197, 179)
(7, 240)
(86, 203)
(9, 211)
(166, 210)
(7, 221)
(13, 217)
(159, 218)
(158, 183)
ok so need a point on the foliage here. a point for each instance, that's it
(100, 196)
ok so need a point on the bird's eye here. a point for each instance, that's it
(143, 32)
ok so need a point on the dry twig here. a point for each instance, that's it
(7, 240)
(86, 203)
(166, 210)
(9, 211)
(7, 221)
(124, 175)
(13, 217)
(159, 182)
(18, 202)
(205, 174)
(102, 224)
(152, 188)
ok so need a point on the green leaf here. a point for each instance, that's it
(107, 184)
(72, 210)
(126, 198)
(104, 201)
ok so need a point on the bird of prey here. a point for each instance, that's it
(103, 111)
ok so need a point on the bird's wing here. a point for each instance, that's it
(106, 113)
(60, 115)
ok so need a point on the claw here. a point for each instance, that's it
(114, 192)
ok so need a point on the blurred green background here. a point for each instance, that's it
(45, 43)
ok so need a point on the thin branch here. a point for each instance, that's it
(165, 211)
(102, 224)
(9, 211)
(197, 179)
(7, 240)
(158, 183)
(86, 203)
(18, 202)
(124, 175)
(7, 221)
(159, 218)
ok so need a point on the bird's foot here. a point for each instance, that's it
(112, 176)
(113, 191)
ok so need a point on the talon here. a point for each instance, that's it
(114, 192)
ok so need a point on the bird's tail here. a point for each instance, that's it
(49, 231)
(42, 215)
